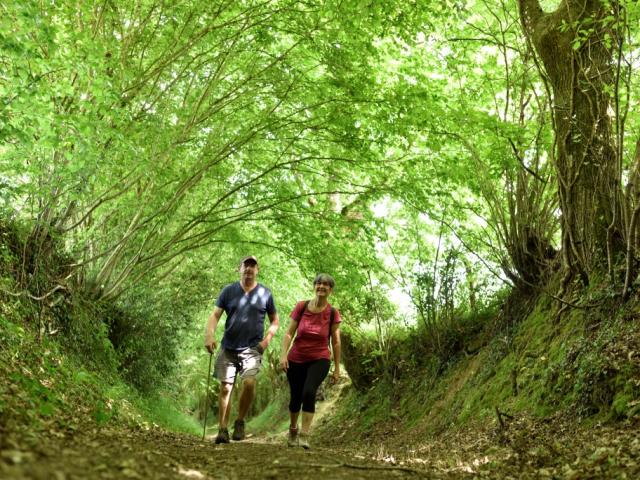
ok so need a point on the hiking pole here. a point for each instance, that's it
(206, 401)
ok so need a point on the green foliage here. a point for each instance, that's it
(406, 148)
(44, 386)
(162, 144)
(146, 345)
(48, 386)
(407, 351)
(85, 332)
(591, 371)
(158, 152)
(531, 366)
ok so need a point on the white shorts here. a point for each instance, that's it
(230, 363)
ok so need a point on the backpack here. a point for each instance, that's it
(331, 318)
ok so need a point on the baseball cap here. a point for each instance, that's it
(249, 258)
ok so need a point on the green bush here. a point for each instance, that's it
(409, 350)
(146, 347)
(85, 332)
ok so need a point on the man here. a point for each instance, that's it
(245, 302)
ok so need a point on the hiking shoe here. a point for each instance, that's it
(292, 439)
(238, 430)
(303, 441)
(223, 436)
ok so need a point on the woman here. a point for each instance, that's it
(313, 323)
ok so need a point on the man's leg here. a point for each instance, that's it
(250, 361)
(247, 394)
(225, 371)
(224, 409)
(224, 404)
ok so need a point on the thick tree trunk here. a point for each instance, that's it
(576, 45)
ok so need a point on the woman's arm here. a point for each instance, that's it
(286, 343)
(335, 346)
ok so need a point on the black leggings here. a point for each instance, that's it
(304, 380)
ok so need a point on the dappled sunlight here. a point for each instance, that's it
(550, 5)
(190, 473)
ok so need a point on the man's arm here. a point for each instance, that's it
(274, 320)
(210, 335)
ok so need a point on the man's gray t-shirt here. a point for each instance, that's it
(244, 326)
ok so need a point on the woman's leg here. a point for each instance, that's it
(296, 375)
(316, 372)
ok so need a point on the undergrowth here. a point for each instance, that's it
(521, 359)
(47, 389)
(66, 362)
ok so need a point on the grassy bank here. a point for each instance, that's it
(47, 389)
(582, 365)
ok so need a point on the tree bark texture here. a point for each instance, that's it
(576, 45)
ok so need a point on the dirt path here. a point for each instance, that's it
(155, 454)
(530, 452)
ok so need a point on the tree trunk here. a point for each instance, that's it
(576, 45)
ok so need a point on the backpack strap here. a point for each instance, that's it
(304, 308)
(333, 315)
